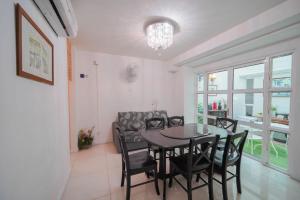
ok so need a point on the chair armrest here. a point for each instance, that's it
(115, 132)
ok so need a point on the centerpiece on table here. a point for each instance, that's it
(85, 138)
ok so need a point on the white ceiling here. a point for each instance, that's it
(116, 26)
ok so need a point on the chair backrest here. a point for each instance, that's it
(155, 123)
(175, 121)
(233, 149)
(204, 153)
(124, 149)
(227, 123)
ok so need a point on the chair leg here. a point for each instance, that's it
(189, 188)
(238, 178)
(147, 174)
(156, 182)
(123, 174)
(128, 187)
(210, 184)
(198, 178)
(224, 185)
(171, 175)
(181, 151)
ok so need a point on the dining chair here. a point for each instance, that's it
(230, 156)
(195, 162)
(136, 163)
(228, 124)
(155, 124)
(175, 121)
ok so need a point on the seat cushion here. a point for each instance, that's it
(181, 163)
(133, 136)
(141, 160)
(219, 159)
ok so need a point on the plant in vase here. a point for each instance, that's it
(274, 110)
(85, 138)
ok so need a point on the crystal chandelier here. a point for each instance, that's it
(160, 35)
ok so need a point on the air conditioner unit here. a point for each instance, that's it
(60, 15)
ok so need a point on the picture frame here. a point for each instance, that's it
(34, 51)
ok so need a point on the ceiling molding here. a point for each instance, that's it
(283, 30)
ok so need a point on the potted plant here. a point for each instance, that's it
(85, 138)
(274, 110)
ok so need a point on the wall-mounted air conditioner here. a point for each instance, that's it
(60, 15)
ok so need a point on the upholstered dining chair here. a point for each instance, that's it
(195, 162)
(136, 163)
(230, 156)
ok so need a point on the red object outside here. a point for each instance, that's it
(214, 106)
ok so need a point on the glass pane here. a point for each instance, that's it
(200, 82)
(217, 81)
(280, 109)
(217, 107)
(278, 151)
(254, 141)
(281, 71)
(200, 108)
(251, 77)
(248, 107)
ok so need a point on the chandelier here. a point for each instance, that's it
(160, 35)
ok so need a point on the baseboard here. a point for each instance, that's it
(61, 193)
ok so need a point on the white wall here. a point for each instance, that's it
(105, 92)
(34, 147)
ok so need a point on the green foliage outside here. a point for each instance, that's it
(280, 160)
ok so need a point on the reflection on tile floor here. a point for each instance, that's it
(96, 175)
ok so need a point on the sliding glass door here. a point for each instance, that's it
(258, 96)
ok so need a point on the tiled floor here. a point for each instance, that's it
(96, 175)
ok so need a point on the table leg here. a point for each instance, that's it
(163, 171)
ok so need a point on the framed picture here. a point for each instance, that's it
(34, 50)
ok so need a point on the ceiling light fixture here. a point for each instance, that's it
(160, 35)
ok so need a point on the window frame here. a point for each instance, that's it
(265, 129)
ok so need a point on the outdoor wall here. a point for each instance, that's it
(105, 92)
(34, 145)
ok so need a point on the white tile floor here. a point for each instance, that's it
(96, 175)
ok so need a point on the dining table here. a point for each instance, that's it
(178, 137)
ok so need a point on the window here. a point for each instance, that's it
(280, 109)
(254, 142)
(249, 77)
(200, 83)
(200, 108)
(258, 95)
(248, 93)
(248, 107)
(200, 98)
(217, 81)
(281, 71)
(278, 151)
(280, 92)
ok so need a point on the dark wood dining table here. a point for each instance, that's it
(177, 137)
